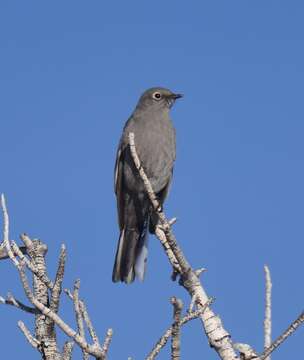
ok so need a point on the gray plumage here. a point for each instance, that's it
(155, 145)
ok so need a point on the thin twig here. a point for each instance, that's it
(78, 314)
(175, 338)
(199, 272)
(196, 313)
(10, 300)
(289, 331)
(86, 318)
(165, 337)
(33, 341)
(68, 293)
(172, 221)
(267, 320)
(57, 288)
(107, 341)
(6, 242)
(88, 322)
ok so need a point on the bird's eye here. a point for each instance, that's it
(157, 96)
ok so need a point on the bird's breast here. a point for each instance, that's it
(155, 145)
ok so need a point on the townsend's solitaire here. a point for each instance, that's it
(155, 144)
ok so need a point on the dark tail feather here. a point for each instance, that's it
(131, 255)
(118, 258)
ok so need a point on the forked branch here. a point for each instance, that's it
(45, 298)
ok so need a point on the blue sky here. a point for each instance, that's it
(70, 75)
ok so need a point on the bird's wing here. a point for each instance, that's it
(161, 196)
(117, 172)
(123, 144)
(133, 218)
(164, 192)
(118, 185)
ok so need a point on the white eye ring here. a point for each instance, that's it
(157, 96)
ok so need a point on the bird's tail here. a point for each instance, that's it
(131, 254)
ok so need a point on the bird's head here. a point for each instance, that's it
(158, 98)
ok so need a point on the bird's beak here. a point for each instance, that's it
(177, 96)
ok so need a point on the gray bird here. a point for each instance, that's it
(155, 144)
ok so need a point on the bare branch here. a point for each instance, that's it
(4, 254)
(267, 320)
(197, 313)
(289, 331)
(199, 271)
(218, 337)
(45, 309)
(175, 339)
(246, 351)
(86, 318)
(42, 276)
(6, 242)
(10, 300)
(163, 240)
(165, 225)
(94, 350)
(172, 221)
(27, 241)
(44, 327)
(78, 314)
(57, 288)
(107, 341)
(164, 338)
(68, 293)
(33, 341)
(88, 322)
(91, 349)
(67, 350)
